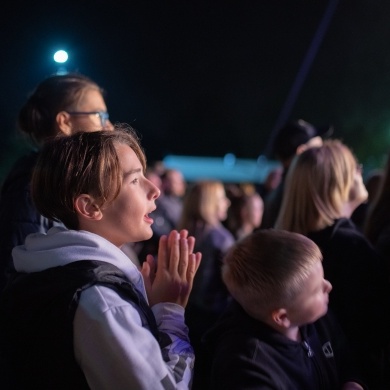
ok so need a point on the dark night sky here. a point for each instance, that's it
(208, 77)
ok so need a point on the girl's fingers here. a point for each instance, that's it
(183, 260)
(163, 253)
(175, 254)
(198, 259)
(183, 233)
(191, 244)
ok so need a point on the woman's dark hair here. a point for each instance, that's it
(56, 93)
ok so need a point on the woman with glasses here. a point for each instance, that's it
(324, 186)
(60, 104)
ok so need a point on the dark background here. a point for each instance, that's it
(205, 78)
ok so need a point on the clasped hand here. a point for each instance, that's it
(171, 278)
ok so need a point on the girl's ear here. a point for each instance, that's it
(280, 318)
(86, 207)
(64, 123)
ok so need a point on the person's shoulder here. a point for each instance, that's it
(99, 299)
(220, 236)
(342, 229)
(251, 350)
(219, 231)
(236, 329)
(18, 177)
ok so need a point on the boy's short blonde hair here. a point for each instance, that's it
(266, 270)
(84, 163)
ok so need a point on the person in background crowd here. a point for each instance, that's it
(60, 104)
(324, 186)
(270, 183)
(377, 225)
(292, 139)
(372, 183)
(205, 207)
(245, 212)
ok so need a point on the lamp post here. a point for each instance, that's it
(60, 57)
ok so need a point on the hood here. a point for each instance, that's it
(60, 246)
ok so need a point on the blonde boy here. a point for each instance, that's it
(277, 334)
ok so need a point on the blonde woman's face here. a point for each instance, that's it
(223, 203)
(358, 193)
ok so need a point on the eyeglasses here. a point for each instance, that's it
(103, 115)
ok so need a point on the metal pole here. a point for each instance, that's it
(302, 73)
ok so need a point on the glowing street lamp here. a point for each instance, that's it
(60, 57)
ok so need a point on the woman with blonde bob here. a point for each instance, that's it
(323, 187)
(316, 197)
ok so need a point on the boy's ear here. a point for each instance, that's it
(63, 123)
(87, 207)
(280, 318)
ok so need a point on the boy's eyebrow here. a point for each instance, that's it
(132, 171)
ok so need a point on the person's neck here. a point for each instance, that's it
(245, 230)
(347, 209)
(293, 334)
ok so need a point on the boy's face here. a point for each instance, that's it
(312, 302)
(126, 219)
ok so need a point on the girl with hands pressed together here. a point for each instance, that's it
(78, 313)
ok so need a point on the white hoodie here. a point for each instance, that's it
(114, 349)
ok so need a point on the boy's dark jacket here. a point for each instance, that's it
(248, 354)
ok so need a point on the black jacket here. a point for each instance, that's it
(248, 354)
(18, 215)
(360, 297)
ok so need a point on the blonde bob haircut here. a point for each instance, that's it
(317, 187)
(84, 163)
(200, 205)
(266, 270)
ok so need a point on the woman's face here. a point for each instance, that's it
(223, 203)
(87, 114)
(358, 193)
(253, 212)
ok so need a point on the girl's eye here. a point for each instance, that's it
(135, 181)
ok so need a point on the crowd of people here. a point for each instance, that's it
(116, 274)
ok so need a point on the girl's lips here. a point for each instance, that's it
(148, 219)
